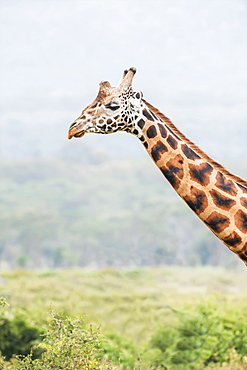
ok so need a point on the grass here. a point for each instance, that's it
(131, 305)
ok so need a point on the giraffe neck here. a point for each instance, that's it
(217, 197)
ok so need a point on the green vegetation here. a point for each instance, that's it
(160, 318)
(66, 345)
(204, 337)
(16, 337)
(56, 214)
(64, 213)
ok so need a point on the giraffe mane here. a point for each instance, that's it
(193, 146)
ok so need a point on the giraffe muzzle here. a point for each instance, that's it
(76, 129)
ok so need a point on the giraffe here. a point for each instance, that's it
(216, 196)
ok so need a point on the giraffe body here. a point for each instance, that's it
(217, 197)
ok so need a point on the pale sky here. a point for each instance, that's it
(191, 58)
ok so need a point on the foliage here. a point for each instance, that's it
(201, 339)
(3, 303)
(174, 318)
(16, 335)
(119, 350)
(66, 345)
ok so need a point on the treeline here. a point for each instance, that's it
(66, 212)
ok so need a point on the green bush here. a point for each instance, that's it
(17, 337)
(202, 339)
(119, 351)
(67, 345)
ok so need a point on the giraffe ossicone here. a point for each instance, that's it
(217, 197)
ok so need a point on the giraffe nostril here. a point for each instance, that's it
(73, 124)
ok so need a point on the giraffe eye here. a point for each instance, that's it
(112, 105)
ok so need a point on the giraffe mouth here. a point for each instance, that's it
(75, 131)
(79, 134)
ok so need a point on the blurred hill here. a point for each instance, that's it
(98, 212)
(100, 200)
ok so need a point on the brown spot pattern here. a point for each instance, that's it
(243, 188)
(217, 222)
(197, 200)
(190, 154)
(157, 150)
(224, 184)
(141, 123)
(243, 201)
(147, 115)
(243, 253)
(201, 173)
(232, 240)
(222, 201)
(172, 142)
(241, 221)
(173, 170)
(163, 131)
(151, 132)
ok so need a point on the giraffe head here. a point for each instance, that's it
(114, 109)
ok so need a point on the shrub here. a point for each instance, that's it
(67, 345)
(17, 337)
(119, 351)
(202, 339)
